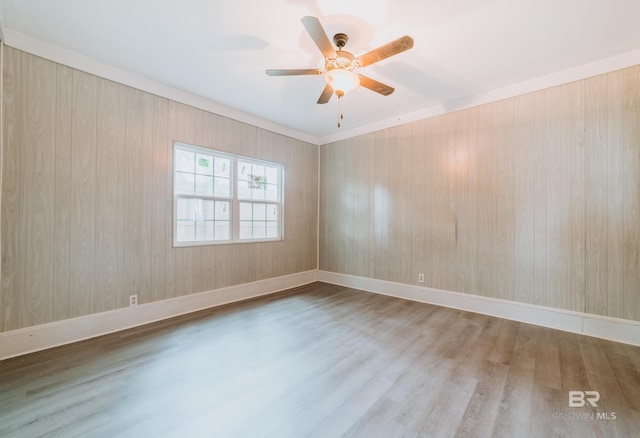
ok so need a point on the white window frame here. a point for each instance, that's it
(233, 199)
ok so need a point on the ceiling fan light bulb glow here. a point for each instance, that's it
(342, 81)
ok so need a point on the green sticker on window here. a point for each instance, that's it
(203, 162)
(257, 182)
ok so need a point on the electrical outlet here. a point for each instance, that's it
(421, 278)
(133, 300)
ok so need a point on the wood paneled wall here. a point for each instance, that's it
(534, 199)
(87, 197)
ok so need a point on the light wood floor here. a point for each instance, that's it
(324, 361)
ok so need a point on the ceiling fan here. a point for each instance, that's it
(341, 65)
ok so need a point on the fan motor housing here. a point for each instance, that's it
(343, 60)
(340, 40)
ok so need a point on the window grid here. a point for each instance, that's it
(225, 198)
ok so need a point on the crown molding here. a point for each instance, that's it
(84, 63)
(605, 65)
(75, 60)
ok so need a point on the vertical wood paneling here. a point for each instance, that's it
(87, 217)
(365, 209)
(447, 201)
(166, 198)
(327, 206)
(403, 187)
(440, 214)
(558, 219)
(461, 200)
(12, 139)
(37, 182)
(385, 206)
(576, 143)
(615, 193)
(549, 194)
(524, 214)
(502, 257)
(352, 240)
(62, 205)
(423, 153)
(159, 189)
(147, 244)
(480, 189)
(336, 234)
(596, 145)
(305, 182)
(110, 169)
(392, 236)
(540, 182)
(632, 194)
(533, 199)
(309, 197)
(133, 181)
(83, 194)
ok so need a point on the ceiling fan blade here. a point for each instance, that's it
(389, 49)
(376, 86)
(319, 36)
(326, 94)
(293, 72)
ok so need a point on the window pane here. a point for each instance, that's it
(184, 161)
(206, 210)
(272, 229)
(185, 231)
(272, 175)
(259, 230)
(271, 193)
(222, 211)
(186, 209)
(259, 212)
(204, 185)
(222, 230)
(204, 230)
(244, 170)
(246, 229)
(222, 167)
(246, 211)
(272, 212)
(244, 190)
(184, 183)
(258, 170)
(204, 164)
(258, 192)
(222, 187)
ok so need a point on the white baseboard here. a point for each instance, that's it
(613, 329)
(30, 339)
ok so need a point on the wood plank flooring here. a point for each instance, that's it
(324, 361)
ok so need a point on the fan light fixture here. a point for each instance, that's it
(342, 81)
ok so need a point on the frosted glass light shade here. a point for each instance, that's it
(342, 81)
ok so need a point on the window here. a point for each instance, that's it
(224, 198)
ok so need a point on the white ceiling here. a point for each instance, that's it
(219, 49)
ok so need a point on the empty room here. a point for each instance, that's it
(320, 218)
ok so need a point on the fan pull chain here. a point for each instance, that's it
(340, 115)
